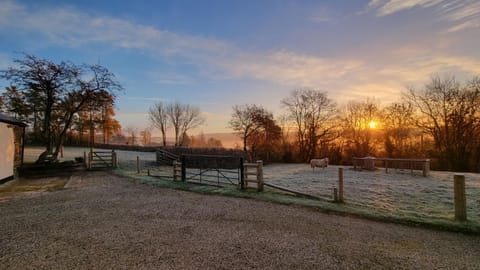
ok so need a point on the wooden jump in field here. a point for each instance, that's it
(411, 164)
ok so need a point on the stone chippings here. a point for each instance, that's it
(101, 221)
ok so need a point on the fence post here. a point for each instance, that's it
(85, 158)
(138, 164)
(242, 174)
(335, 194)
(90, 157)
(114, 159)
(426, 168)
(259, 175)
(460, 198)
(340, 185)
(184, 170)
(61, 151)
(175, 170)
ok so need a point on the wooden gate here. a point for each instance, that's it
(102, 160)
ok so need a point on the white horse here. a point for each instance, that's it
(322, 163)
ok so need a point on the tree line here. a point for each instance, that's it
(65, 102)
(440, 121)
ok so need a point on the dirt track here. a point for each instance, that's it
(101, 221)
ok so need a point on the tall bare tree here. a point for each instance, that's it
(158, 116)
(450, 113)
(146, 136)
(246, 120)
(183, 117)
(313, 114)
(358, 128)
(398, 123)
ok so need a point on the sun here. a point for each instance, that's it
(372, 124)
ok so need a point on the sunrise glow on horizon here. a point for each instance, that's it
(217, 54)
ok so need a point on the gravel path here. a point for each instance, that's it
(101, 221)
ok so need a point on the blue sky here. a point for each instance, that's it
(216, 54)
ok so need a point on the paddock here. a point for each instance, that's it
(399, 194)
(394, 194)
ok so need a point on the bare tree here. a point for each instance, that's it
(313, 114)
(359, 121)
(246, 120)
(214, 143)
(158, 115)
(450, 113)
(146, 135)
(131, 135)
(398, 123)
(183, 117)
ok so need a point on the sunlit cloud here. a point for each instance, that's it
(223, 60)
(69, 27)
(288, 68)
(384, 75)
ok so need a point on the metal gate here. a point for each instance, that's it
(212, 170)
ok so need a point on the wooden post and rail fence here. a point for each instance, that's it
(253, 173)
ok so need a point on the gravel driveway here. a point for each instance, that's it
(102, 221)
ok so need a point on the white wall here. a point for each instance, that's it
(7, 151)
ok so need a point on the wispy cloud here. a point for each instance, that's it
(387, 7)
(70, 27)
(461, 14)
(73, 28)
(321, 16)
(170, 78)
(287, 67)
(464, 15)
(143, 98)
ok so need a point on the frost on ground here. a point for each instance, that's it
(102, 221)
(398, 193)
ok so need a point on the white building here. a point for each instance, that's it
(11, 146)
